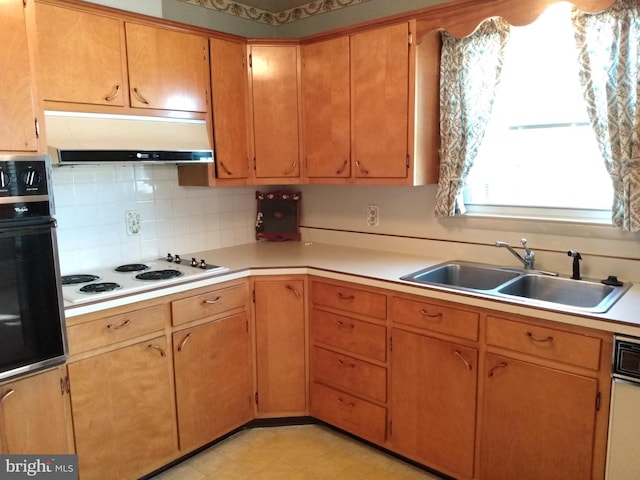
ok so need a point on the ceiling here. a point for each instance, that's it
(275, 12)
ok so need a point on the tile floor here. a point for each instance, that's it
(304, 452)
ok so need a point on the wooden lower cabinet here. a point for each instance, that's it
(281, 338)
(213, 379)
(35, 415)
(433, 402)
(537, 422)
(124, 411)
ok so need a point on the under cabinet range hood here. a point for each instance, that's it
(86, 138)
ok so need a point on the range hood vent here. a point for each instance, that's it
(85, 138)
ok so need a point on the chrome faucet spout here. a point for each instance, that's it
(528, 258)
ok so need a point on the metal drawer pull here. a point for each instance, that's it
(212, 302)
(291, 168)
(342, 402)
(114, 94)
(7, 394)
(111, 326)
(156, 347)
(539, 340)
(343, 364)
(342, 296)
(426, 314)
(294, 290)
(341, 324)
(184, 342)
(341, 169)
(458, 354)
(497, 367)
(224, 167)
(139, 96)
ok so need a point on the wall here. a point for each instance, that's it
(92, 203)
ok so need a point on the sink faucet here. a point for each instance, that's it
(527, 261)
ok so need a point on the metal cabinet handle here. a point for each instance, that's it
(341, 169)
(126, 323)
(497, 367)
(345, 404)
(6, 395)
(294, 290)
(426, 314)
(139, 96)
(362, 170)
(533, 338)
(291, 168)
(159, 349)
(224, 167)
(184, 342)
(458, 354)
(212, 302)
(342, 296)
(342, 324)
(114, 94)
(342, 363)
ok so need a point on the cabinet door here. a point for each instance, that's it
(274, 83)
(380, 101)
(123, 412)
(213, 379)
(17, 101)
(34, 415)
(326, 108)
(81, 56)
(230, 97)
(537, 422)
(167, 70)
(280, 347)
(433, 402)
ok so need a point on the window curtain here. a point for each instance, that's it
(470, 71)
(609, 53)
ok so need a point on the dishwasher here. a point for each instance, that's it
(623, 452)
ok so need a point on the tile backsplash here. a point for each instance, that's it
(108, 215)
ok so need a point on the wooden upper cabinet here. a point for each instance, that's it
(380, 102)
(81, 57)
(168, 70)
(18, 118)
(274, 85)
(326, 109)
(230, 101)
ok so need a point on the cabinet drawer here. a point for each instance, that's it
(356, 376)
(349, 413)
(114, 329)
(436, 318)
(207, 304)
(350, 300)
(559, 345)
(349, 334)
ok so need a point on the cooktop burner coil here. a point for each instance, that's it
(159, 274)
(132, 267)
(100, 287)
(75, 279)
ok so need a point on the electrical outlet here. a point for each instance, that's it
(373, 215)
(133, 223)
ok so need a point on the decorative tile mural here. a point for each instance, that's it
(279, 18)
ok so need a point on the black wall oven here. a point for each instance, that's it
(32, 327)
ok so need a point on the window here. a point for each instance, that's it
(539, 157)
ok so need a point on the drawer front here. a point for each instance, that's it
(356, 416)
(207, 304)
(355, 376)
(349, 334)
(564, 347)
(109, 330)
(435, 318)
(350, 300)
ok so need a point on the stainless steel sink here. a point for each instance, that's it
(563, 291)
(527, 287)
(469, 275)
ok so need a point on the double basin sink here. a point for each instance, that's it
(529, 287)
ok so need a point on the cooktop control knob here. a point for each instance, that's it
(169, 257)
(203, 264)
(30, 178)
(194, 262)
(5, 178)
(177, 259)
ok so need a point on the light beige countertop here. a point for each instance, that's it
(374, 268)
